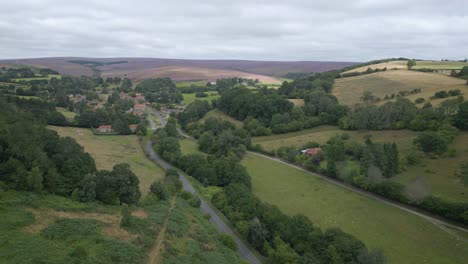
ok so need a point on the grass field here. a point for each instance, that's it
(297, 102)
(68, 115)
(48, 77)
(401, 64)
(190, 98)
(405, 238)
(111, 150)
(218, 114)
(349, 90)
(188, 146)
(322, 134)
(190, 83)
(441, 173)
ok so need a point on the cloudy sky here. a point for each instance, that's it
(329, 30)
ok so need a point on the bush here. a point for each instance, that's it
(186, 195)
(441, 94)
(201, 94)
(228, 241)
(195, 202)
(419, 100)
(158, 189)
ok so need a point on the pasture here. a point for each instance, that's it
(350, 90)
(190, 98)
(219, 114)
(111, 150)
(424, 64)
(405, 238)
(442, 174)
(322, 134)
(68, 115)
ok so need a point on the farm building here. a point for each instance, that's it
(104, 129)
(311, 151)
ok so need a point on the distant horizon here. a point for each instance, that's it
(227, 59)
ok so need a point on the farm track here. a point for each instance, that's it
(439, 222)
(155, 256)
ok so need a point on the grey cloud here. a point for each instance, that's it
(207, 29)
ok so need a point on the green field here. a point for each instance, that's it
(350, 90)
(68, 115)
(48, 77)
(190, 83)
(405, 238)
(441, 174)
(322, 134)
(190, 98)
(218, 114)
(110, 150)
(188, 146)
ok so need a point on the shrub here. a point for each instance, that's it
(158, 189)
(195, 201)
(441, 94)
(125, 212)
(419, 100)
(186, 195)
(228, 241)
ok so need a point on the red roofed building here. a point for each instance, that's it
(311, 151)
(139, 109)
(104, 129)
(133, 128)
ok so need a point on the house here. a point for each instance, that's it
(104, 129)
(311, 151)
(139, 109)
(133, 128)
(76, 98)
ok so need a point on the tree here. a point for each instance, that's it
(461, 118)
(120, 183)
(367, 96)
(88, 191)
(158, 189)
(282, 253)
(121, 126)
(256, 234)
(410, 64)
(431, 142)
(34, 180)
(125, 213)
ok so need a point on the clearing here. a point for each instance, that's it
(322, 134)
(109, 150)
(405, 238)
(68, 115)
(349, 90)
(297, 102)
(190, 98)
(219, 114)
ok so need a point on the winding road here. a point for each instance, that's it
(242, 248)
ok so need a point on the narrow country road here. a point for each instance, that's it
(159, 115)
(242, 248)
(441, 223)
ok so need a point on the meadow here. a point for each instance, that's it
(188, 146)
(442, 174)
(405, 238)
(401, 64)
(219, 114)
(111, 150)
(350, 90)
(68, 115)
(322, 134)
(190, 98)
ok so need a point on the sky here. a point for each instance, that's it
(331, 30)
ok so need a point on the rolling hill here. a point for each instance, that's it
(349, 90)
(179, 69)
